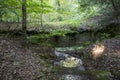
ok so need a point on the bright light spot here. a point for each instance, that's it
(97, 51)
(72, 62)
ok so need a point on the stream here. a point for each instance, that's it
(72, 68)
(66, 60)
(75, 65)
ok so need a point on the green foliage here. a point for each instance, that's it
(58, 9)
(63, 13)
(87, 43)
(36, 7)
(105, 36)
(33, 39)
(41, 39)
(9, 9)
(60, 32)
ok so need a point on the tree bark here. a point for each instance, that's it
(41, 21)
(24, 26)
(59, 9)
(0, 17)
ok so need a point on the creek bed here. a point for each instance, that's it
(72, 68)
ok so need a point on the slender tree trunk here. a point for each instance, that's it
(116, 6)
(24, 26)
(0, 18)
(59, 9)
(42, 15)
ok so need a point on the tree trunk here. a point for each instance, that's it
(58, 5)
(41, 21)
(0, 18)
(24, 26)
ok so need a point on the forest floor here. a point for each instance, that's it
(18, 62)
(105, 55)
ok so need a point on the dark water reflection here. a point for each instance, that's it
(74, 40)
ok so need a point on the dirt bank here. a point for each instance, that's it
(20, 63)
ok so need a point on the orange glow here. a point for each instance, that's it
(97, 51)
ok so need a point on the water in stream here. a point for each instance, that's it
(66, 60)
(76, 65)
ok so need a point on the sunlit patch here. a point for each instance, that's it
(72, 62)
(97, 51)
(69, 61)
